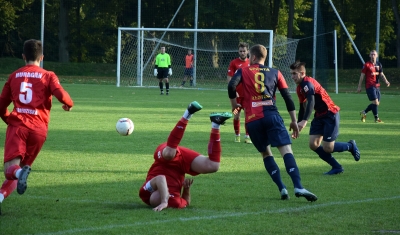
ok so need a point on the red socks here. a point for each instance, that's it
(176, 134)
(236, 126)
(214, 146)
(8, 187)
(10, 172)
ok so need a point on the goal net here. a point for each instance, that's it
(213, 50)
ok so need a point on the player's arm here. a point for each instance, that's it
(362, 76)
(385, 79)
(231, 71)
(169, 65)
(235, 80)
(5, 101)
(64, 98)
(4, 113)
(186, 190)
(292, 111)
(159, 185)
(301, 111)
(309, 106)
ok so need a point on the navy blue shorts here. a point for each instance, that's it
(162, 73)
(188, 72)
(269, 130)
(374, 93)
(326, 126)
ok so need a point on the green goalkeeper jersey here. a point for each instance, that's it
(163, 61)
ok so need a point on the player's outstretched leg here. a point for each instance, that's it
(220, 118)
(23, 179)
(354, 151)
(176, 134)
(306, 194)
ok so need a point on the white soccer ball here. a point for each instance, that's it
(124, 126)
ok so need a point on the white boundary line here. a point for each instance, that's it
(222, 215)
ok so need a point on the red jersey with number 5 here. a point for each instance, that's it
(30, 88)
(259, 87)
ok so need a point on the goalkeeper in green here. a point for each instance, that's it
(163, 69)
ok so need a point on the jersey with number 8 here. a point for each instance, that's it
(260, 90)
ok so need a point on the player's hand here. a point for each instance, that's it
(187, 183)
(358, 89)
(295, 128)
(66, 107)
(237, 109)
(169, 71)
(155, 72)
(302, 125)
(160, 207)
(387, 83)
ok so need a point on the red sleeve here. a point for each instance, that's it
(63, 97)
(281, 81)
(5, 101)
(177, 202)
(231, 69)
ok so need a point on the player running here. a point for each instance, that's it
(263, 121)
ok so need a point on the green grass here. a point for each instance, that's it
(105, 74)
(86, 178)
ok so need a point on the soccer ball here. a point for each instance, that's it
(124, 126)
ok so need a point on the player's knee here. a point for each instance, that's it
(213, 167)
(313, 146)
(328, 148)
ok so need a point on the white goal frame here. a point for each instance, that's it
(139, 77)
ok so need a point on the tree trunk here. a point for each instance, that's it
(63, 54)
(396, 14)
(275, 15)
(291, 18)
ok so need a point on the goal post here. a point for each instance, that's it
(213, 49)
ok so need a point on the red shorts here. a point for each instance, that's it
(22, 142)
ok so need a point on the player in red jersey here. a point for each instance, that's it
(263, 121)
(30, 89)
(325, 125)
(234, 65)
(372, 71)
(188, 73)
(165, 184)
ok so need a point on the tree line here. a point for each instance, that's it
(86, 30)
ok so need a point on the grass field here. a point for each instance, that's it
(86, 178)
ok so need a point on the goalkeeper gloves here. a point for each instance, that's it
(155, 72)
(169, 71)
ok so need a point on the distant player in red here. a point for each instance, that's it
(325, 125)
(372, 71)
(165, 184)
(30, 89)
(188, 73)
(234, 65)
(263, 121)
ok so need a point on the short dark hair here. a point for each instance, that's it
(298, 65)
(243, 44)
(259, 51)
(32, 50)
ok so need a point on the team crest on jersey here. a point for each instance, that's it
(305, 88)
